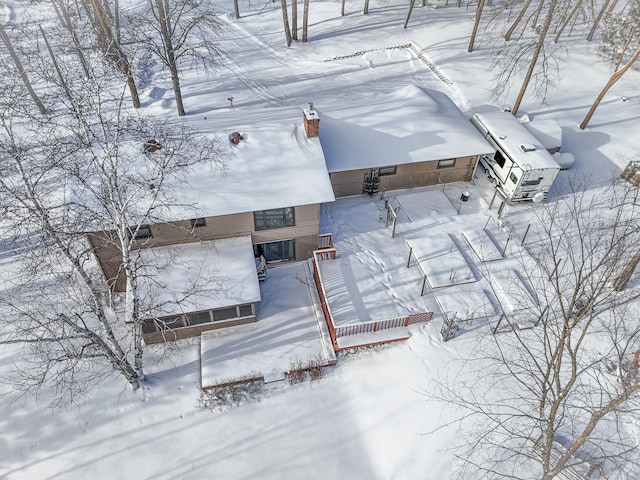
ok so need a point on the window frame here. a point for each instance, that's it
(383, 171)
(444, 163)
(140, 232)
(261, 218)
(198, 222)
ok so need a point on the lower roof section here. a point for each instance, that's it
(198, 276)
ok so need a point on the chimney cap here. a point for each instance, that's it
(310, 113)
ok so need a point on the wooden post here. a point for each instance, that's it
(525, 234)
(504, 250)
(495, 192)
(495, 330)
(409, 259)
(501, 209)
(424, 283)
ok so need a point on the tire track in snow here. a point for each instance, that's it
(243, 41)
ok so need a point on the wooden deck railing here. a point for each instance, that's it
(371, 327)
(360, 328)
(325, 240)
(318, 256)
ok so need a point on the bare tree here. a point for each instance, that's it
(620, 34)
(65, 19)
(552, 394)
(183, 30)
(617, 75)
(476, 24)
(305, 21)
(536, 53)
(596, 21)
(568, 18)
(517, 21)
(82, 172)
(294, 19)
(111, 46)
(285, 20)
(21, 71)
(411, 5)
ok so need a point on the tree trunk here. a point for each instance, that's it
(63, 82)
(342, 9)
(68, 24)
(626, 46)
(621, 282)
(536, 54)
(475, 25)
(514, 25)
(23, 75)
(536, 15)
(165, 30)
(294, 19)
(305, 21)
(285, 20)
(567, 20)
(596, 22)
(614, 78)
(411, 4)
(236, 9)
(113, 50)
(365, 10)
(116, 16)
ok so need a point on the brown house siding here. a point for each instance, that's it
(408, 175)
(305, 232)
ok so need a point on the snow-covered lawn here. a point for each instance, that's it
(369, 417)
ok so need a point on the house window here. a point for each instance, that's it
(143, 231)
(449, 162)
(198, 222)
(225, 314)
(198, 318)
(275, 218)
(387, 171)
(277, 251)
(153, 325)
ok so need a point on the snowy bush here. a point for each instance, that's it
(230, 395)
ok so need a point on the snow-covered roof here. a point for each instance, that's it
(199, 276)
(408, 126)
(510, 134)
(274, 166)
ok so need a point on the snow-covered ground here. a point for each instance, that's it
(369, 417)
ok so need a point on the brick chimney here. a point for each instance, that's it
(311, 121)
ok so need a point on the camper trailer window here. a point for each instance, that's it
(513, 178)
(530, 183)
(499, 158)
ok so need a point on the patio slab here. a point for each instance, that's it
(289, 329)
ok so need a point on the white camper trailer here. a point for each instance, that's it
(521, 167)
